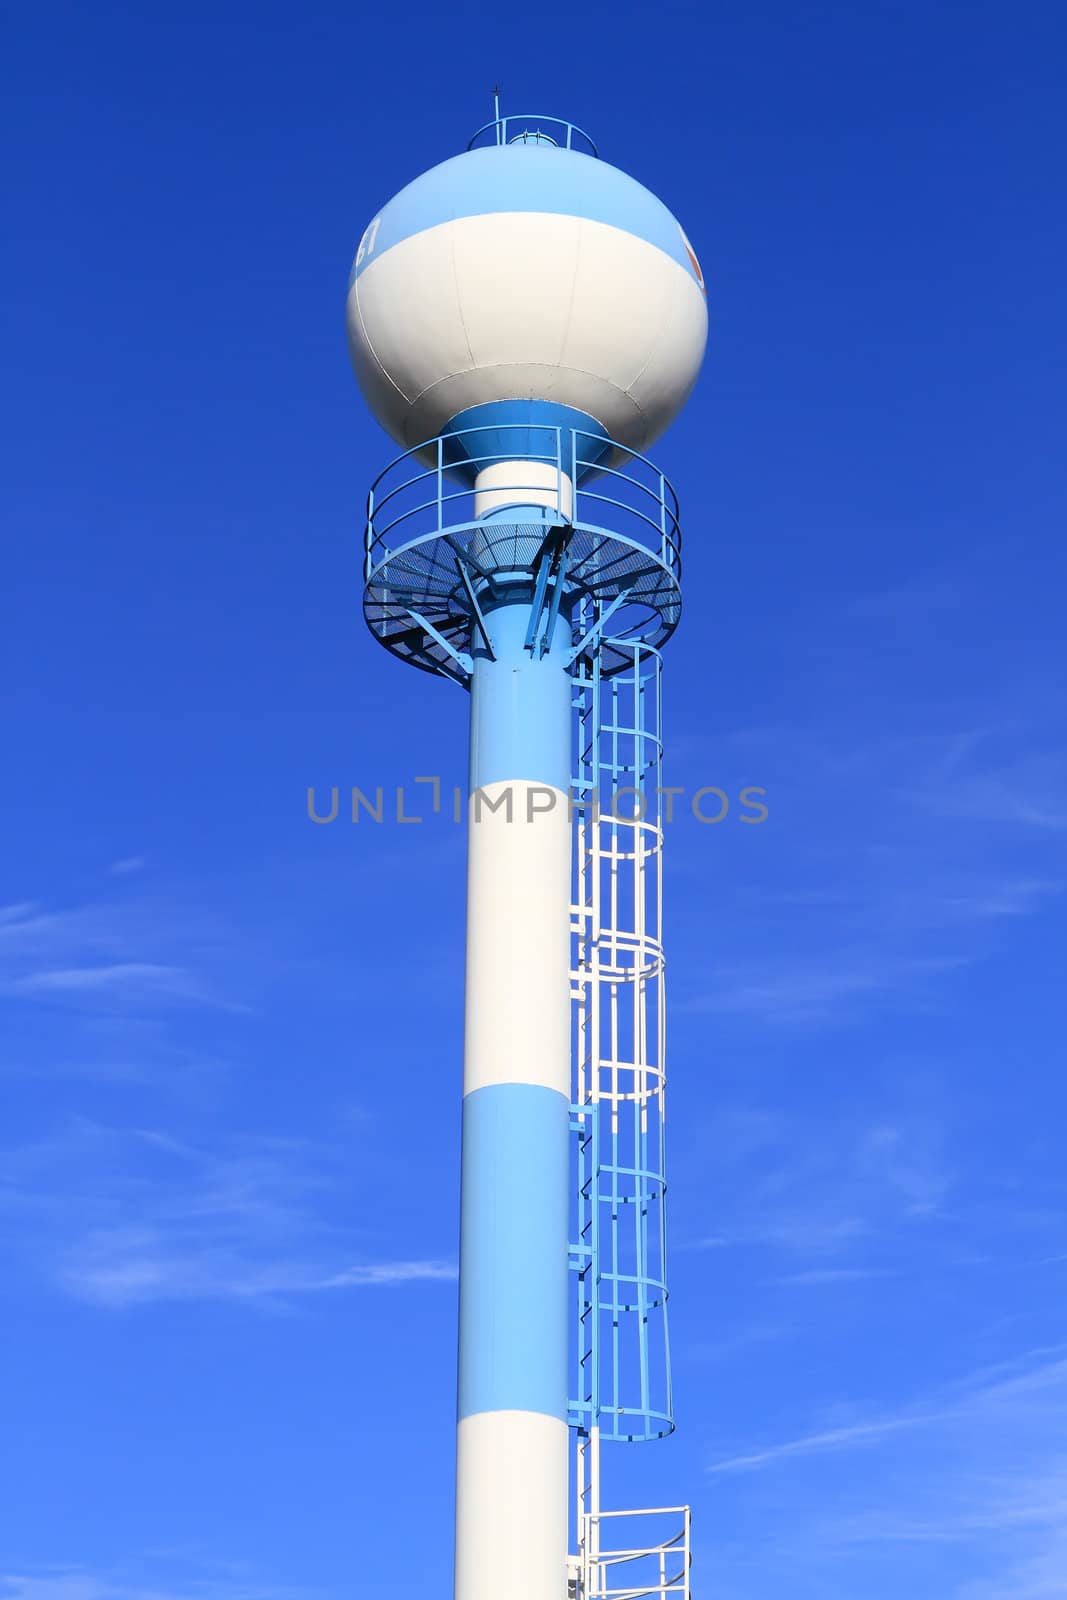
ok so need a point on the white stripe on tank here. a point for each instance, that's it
(607, 324)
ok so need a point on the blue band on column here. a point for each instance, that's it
(513, 1262)
(520, 706)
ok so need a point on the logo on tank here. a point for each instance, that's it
(366, 244)
(691, 253)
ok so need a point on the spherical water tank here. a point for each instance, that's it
(526, 283)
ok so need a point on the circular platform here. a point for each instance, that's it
(431, 562)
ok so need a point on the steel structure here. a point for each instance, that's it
(528, 550)
(623, 1390)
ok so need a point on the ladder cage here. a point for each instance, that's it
(623, 1384)
(622, 1354)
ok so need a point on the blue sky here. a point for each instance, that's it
(229, 1077)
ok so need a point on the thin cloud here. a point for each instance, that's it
(982, 900)
(822, 1192)
(976, 1471)
(816, 1443)
(119, 984)
(387, 1273)
(982, 1394)
(120, 975)
(130, 1268)
(17, 913)
(76, 1583)
(790, 992)
(820, 1276)
(119, 1218)
(120, 954)
(998, 781)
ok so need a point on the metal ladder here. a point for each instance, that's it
(622, 1358)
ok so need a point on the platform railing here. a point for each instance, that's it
(428, 492)
(442, 533)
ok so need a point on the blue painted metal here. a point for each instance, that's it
(595, 628)
(514, 430)
(462, 660)
(524, 179)
(513, 1260)
(622, 1356)
(520, 704)
(477, 614)
(622, 541)
(516, 604)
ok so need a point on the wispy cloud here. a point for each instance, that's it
(821, 1277)
(987, 1391)
(890, 866)
(127, 1267)
(165, 1583)
(821, 1191)
(979, 900)
(115, 953)
(129, 982)
(125, 1217)
(816, 1443)
(17, 913)
(835, 988)
(977, 1465)
(989, 779)
(118, 990)
(120, 974)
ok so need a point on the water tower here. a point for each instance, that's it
(525, 320)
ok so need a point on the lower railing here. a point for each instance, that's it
(653, 1562)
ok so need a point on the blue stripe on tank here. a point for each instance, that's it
(513, 1259)
(520, 702)
(523, 178)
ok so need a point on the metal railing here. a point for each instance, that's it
(441, 532)
(535, 128)
(422, 493)
(643, 1568)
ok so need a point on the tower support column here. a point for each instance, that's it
(512, 1448)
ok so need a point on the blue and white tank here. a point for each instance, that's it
(524, 282)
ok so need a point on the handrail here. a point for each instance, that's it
(639, 478)
(572, 137)
(659, 1569)
(532, 427)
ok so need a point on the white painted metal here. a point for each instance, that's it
(587, 1522)
(512, 1466)
(518, 305)
(639, 1555)
(528, 483)
(617, 979)
(518, 944)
